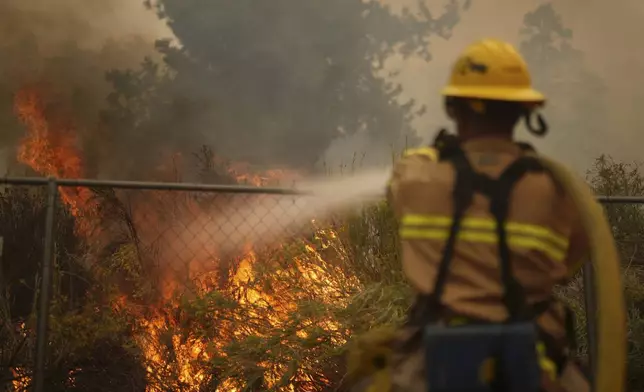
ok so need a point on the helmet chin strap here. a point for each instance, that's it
(542, 128)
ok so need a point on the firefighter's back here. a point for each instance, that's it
(542, 231)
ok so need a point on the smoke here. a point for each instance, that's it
(265, 220)
(67, 46)
(355, 152)
(86, 23)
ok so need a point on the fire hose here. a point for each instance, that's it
(608, 345)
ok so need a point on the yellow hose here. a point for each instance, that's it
(611, 314)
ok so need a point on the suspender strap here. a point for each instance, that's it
(514, 295)
(462, 198)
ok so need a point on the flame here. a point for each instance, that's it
(272, 177)
(51, 148)
(52, 151)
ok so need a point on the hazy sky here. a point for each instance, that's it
(609, 33)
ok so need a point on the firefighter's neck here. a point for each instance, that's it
(485, 132)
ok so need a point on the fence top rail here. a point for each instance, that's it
(149, 185)
(621, 199)
(215, 188)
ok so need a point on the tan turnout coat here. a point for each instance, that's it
(544, 234)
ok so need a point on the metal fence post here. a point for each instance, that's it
(590, 304)
(42, 339)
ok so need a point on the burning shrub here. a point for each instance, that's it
(80, 331)
(261, 318)
(281, 320)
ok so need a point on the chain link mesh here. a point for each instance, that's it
(158, 290)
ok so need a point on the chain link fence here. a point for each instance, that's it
(148, 281)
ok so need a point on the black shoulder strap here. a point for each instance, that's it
(498, 191)
(447, 144)
(514, 295)
(462, 195)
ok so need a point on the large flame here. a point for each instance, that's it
(51, 148)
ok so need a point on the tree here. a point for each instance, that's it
(272, 82)
(577, 106)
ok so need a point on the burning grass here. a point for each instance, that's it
(280, 316)
(274, 318)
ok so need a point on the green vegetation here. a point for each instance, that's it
(617, 178)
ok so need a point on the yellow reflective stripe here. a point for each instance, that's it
(488, 224)
(429, 152)
(418, 220)
(514, 240)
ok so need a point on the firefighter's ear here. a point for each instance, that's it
(542, 127)
(450, 108)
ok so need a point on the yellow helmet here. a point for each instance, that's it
(492, 69)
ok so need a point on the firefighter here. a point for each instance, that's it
(487, 229)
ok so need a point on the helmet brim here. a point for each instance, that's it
(495, 93)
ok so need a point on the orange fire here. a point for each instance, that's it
(51, 148)
(274, 177)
